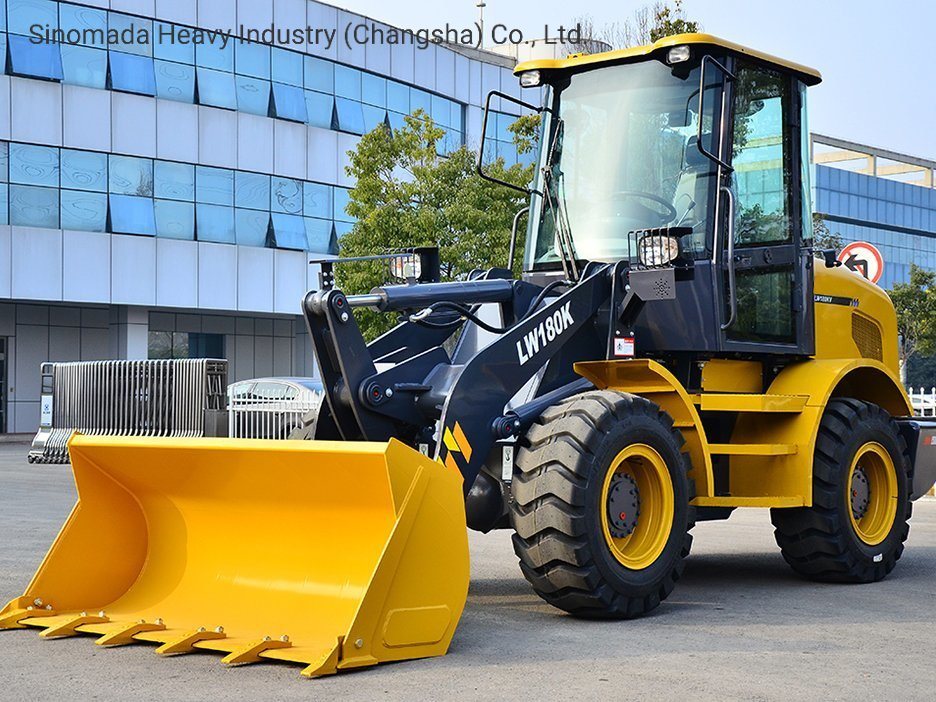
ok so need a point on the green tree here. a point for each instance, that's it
(823, 237)
(407, 195)
(647, 24)
(915, 302)
(670, 20)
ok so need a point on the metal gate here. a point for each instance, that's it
(126, 398)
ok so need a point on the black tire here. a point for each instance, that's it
(557, 501)
(821, 542)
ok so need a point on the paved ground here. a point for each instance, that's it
(740, 625)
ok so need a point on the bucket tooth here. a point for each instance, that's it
(327, 664)
(251, 652)
(186, 642)
(125, 635)
(70, 626)
(13, 615)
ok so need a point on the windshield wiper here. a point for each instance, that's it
(552, 185)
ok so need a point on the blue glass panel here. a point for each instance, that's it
(441, 112)
(317, 200)
(373, 90)
(4, 161)
(318, 234)
(216, 88)
(319, 75)
(350, 116)
(341, 199)
(175, 220)
(342, 228)
(398, 97)
(133, 34)
(34, 165)
(23, 14)
(456, 118)
(289, 231)
(132, 74)
(287, 67)
(215, 56)
(214, 186)
(83, 25)
(84, 211)
(420, 100)
(215, 223)
(320, 109)
(4, 200)
(287, 195)
(174, 181)
(397, 121)
(34, 60)
(175, 81)
(31, 206)
(3, 51)
(373, 117)
(167, 46)
(253, 95)
(289, 103)
(251, 227)
(347, 82)
(252, 190)
(132, 215)
(84, 170)
(252, 59)
(131, 176)
(84, 66)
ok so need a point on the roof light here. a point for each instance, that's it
(530, 79)
(678, 54)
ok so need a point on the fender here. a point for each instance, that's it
(652, 380)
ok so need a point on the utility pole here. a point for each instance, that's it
(481, 5)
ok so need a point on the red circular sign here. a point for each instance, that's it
(864, 259)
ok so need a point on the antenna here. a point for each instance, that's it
(481, 5)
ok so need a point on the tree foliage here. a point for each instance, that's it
(407, 195)
(915, 302)
(648, 24)
(824, 238)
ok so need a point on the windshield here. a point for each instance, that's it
(621, 155)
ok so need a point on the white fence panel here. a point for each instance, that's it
(267, 419)
(924, 401)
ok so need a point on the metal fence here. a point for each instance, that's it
(126, 398)
(924, 402)
(268, 419)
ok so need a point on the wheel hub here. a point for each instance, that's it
(623, 505)
(860, 493)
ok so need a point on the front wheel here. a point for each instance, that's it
(856, 528)
(600, 505)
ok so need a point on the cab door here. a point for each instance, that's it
(766, 271)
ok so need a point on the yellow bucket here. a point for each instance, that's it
(331, 554)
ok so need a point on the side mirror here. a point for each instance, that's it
(484, 123)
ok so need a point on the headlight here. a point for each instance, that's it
(657, 250)
(405, 267)
(678, 54)
(530, 79)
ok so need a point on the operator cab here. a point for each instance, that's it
(702, 141)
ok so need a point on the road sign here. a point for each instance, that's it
(864, 259)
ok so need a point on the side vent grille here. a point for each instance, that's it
(867, 336)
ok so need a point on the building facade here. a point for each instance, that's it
(162, 192)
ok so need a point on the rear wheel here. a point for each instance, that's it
(855, 530)
(601, 505)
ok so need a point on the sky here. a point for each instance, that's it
(876, 56)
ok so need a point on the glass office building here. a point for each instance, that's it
(163, 198)
(885, 198)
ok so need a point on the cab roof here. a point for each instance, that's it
(808, 75)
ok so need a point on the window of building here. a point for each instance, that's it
(84, 170)
(252, 59)
(216, 88)
(84, 211)
(79, 20)
(317, 200)
(319, 75)
(22, 14)
(253, 95)
(251, 227)
(175, 81)
(132, 215)
(347, 82)
(132, 74)
(165, 345)
(214, 186)
(373, 117)
(174, 219)
(32, 206)
(34, 165)
(174, 181)
(168, 50)
(82, 65)
(373, 90)
(320, 109)
(289, 231)
(215, 223)
(252, 191)
(131, 28)
(318, 234)
(34, 60)
(289, 103)
(287, 67)
(216, 56)
(131, 176)
(350, 116)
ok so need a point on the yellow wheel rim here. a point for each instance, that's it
(640, 467)
(872, 493)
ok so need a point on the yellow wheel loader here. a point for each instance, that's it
(675, 349)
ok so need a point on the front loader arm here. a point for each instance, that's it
(495, 375)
